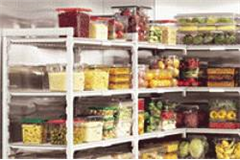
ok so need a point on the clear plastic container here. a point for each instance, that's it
(78, 18)
(109, 133)
(123, 128)
(141, 118)
(34, 131)
(191, 117)
(169, 31)
(108, 122)
(98, 28)
(142, 82)
(117, 28)
(120, 70)
(96, 78)
(124, 85)
(92, 129)
(58, 78)
(154, 32)
(58, 131)
(108, 111)
(137, 21)
(28, 77)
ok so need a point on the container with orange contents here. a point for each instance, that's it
(120, 77)
(78, 18)
(58, 78)
(97, 78)
(34, 131)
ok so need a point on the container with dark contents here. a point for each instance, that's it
(78, 18)
(137, 21)
(191, 117)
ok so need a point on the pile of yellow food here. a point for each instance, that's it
(228, 150)
(223, 115)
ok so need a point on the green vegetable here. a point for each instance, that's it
(199, 20)
(224, 20)
(208, 39)
(196, 148)
(211, 20)
(184, 149)
(159, 105)
(198, 39)
(188, 39)
(219, 39)
(230, 39)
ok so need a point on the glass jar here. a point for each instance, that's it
(58, 78)
(141, 106)
(98, 28)
(78, 18)
(137, 21)
(34, 131)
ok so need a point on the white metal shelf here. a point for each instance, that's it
(212, 89)
(104, 143)
(213, 47)
(213, 131)
(160, 90)
(160, 46)
(162, 134)
(20, 145)
(103, 93)
(36, 93)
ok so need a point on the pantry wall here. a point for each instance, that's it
(17, 16)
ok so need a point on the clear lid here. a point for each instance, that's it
(131, 6)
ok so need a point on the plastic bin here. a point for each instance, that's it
(98, 28)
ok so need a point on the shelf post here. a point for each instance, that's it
(70, 97)
(135, 99)
(5, 99)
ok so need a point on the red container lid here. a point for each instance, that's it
(141, 104)
(166, 21)
(98, 18)
(73, 10)
(63, 121)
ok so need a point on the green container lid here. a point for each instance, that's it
(33, 121)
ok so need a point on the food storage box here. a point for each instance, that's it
(58, 131)
(78, 18)
(142, 81)
(154, 32)
(109, 133)
(108, 122)
(34, 131)
(108, 111)
(92, 129)
(28, 77)
(98, 28)
(169, 31)
(119, 85)
(191, 116)
(120, 79)
(120, 70)
(141, 118)
(137, 21)
(123, 128)
(96, 78)
(125, 111)
(117, 28)
(58, 78)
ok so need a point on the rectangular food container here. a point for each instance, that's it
(34, 131)
(117, 28)
(137, 17)
(98, 28)
(106, 111)
(78, 18)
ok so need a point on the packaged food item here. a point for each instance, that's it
(105, 111)
(227, 148)
(120, 70)
(154, 32)
(117, 28)
(191, 117)
(28, 77)
(123, 128)
(58, 78)
(142, 81)
(109, 133)
(108, 122)
(120, 79)
(119, 85)
(92, 129)
(96, 78)
(98, 28)
(171, 147)
(151, 153)
(58, 131)
(189, 72)
(125, 111)
(78, 18)
(34, 131)
(168, 118)
(141, 116)
(224, 114)
(137, 21)
(169, 31)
